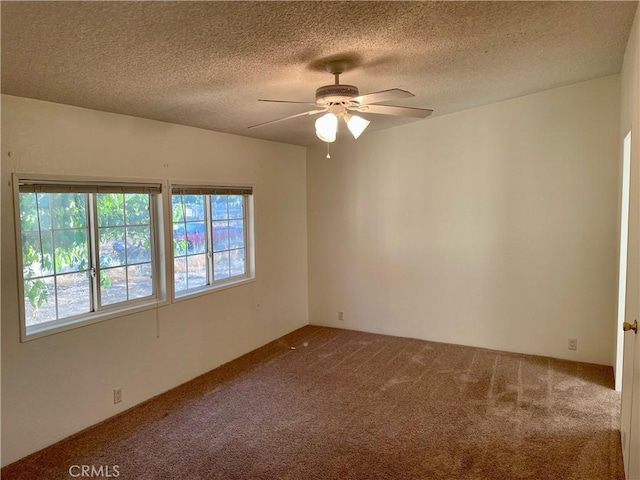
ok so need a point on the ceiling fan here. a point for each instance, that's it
(342, 101)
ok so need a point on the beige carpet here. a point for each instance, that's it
(352, 405)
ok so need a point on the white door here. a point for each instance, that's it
(630, 415)
(634, 429)
(630, 408)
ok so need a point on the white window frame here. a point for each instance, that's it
(249, 237)
(100, 313)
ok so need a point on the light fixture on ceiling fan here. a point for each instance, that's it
(339, 101)
(327, 125)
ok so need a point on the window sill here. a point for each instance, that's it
(44, 330)
(212, 289)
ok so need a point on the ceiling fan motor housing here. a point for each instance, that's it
(332, 94)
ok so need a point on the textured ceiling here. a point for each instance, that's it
(206, 64)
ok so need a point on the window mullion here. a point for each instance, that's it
(186, 239)
(94, 254)
(154, 221)
(245, 233)
(126, 244)
(53, 249)
(208, 218)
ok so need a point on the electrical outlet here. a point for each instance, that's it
(573, 344)
(341, 316)
(117, 395)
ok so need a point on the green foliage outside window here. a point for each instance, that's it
(55, 236)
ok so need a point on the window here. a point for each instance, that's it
(210, 237)
(87, 250)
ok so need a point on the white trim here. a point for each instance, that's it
(249, 247)
(622, 259)
(161, 280)
(46, 329)
(208, 290)
(162, 240)
(17, 229)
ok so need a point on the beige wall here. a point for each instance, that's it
(494, 227)
(57, 385)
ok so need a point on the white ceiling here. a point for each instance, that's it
(206, 64)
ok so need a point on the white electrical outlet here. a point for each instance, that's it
(573, 344)
(117, 395)
(341, 316)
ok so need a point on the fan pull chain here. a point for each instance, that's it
(328, 154)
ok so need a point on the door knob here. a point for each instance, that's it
(626, 326)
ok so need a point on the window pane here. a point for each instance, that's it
(110, 209)
(69, 210)
(31, 256)
(220, 265)
(179, 239)
(180, 274)
(189, 233)
(71, 250)
(236, 234)
(28, 212)
(112, 251)
(37, 254)
(220, 236)
(39, 301)
(73, 294)
(113, 285)
(44, 210)
(177, 211)
(219, 209)
(196, 271)
(138, 244)
(236, 262)
(193, 207)
(33, 217)
(140, 281)
(137, 208)
(196, 237)
(236, 206)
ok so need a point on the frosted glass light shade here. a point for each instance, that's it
(356, 124)
(327, 127)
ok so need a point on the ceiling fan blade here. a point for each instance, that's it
(285, 101)
(310, 112)
(383, 96)
(394, 110)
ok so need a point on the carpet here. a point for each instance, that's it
(323, 403)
